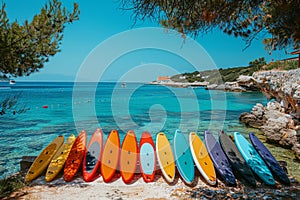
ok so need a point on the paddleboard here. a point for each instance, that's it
(128, 157)
(236, 159)
(183, 158)
(269, 159)
(91, 160)
(110, 156)
(59, 159)
(219, 159)
(43, 160)
(147, 157)
(75, 157)
(202, 159)
(165, 157)
(253, 159)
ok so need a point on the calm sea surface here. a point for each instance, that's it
(140, 107)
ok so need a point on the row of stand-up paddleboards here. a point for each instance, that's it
(227, 158)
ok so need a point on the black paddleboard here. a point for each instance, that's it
(237, 161)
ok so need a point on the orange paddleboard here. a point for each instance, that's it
(91, 160)
(75, 157)
(110, 156)
(129, 157)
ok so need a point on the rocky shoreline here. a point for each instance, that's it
(279, 120)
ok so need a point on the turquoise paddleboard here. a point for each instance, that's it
(183, 158)
(253, 159)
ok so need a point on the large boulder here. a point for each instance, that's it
(251, 120)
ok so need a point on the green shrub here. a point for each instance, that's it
(231, 74)
(282, 65)
(10, 185)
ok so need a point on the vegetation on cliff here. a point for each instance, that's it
(219, 76)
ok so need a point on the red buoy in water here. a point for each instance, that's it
(45, 106)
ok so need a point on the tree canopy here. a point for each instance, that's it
(278, 22)
(24, 48)
(258, 63)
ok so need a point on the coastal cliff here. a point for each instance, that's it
(279, 119)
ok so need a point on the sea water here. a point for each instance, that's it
(72, 107)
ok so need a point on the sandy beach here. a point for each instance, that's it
(157, 190)
(78, 189)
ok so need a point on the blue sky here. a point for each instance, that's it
(100, 20)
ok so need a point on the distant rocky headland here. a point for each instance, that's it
(237, 79)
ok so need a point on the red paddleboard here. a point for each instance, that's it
(91, 160)
(75, 157)
(129, 157)
(110, 156)
(147, 157)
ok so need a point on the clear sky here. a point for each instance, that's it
(102, 19)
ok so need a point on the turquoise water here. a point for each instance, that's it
(141, 107)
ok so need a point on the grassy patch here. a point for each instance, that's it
(285, 65)
(10, 185)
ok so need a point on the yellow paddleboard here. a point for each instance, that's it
(43, 160)
(165, 157)
(59, 159)
(202, 159)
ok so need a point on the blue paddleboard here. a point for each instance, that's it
(253, 159)
(219, 159)
(269, 159)
(183, 158)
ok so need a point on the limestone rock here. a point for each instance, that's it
(284, 86)
(296, 149)
(247, 82)
(251, 120)
(234, 87)
(211, 87)
(258, 111)
(215, 87)
(288, 139)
